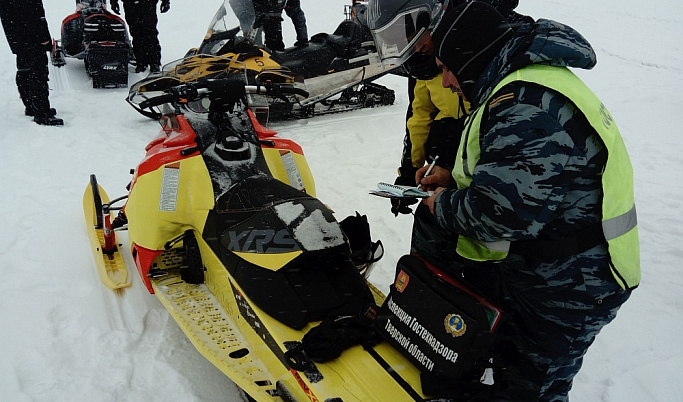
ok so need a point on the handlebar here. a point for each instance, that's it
(227, 90)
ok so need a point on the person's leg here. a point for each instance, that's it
(272, 28)
(296, 14)
(32, 77)
(150, 33)
(23, 80)
(268, 18)
(549, 326)
(136, 20)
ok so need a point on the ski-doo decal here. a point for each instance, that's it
(293, 174)
(168, 199)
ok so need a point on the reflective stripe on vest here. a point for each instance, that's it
(619, 222)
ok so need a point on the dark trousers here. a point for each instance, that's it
(32, 77)
(141, 18)
(270, 15)
(296, 14)
(548, 324)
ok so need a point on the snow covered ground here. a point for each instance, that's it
(65, 337)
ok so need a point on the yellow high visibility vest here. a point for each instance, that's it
(619, 222)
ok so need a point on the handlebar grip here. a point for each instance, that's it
(157, 100)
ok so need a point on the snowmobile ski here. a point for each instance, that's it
(110, 264)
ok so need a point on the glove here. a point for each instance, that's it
(406, 178)
(165, 6)
(115, 7)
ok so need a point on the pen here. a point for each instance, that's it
(429, 169)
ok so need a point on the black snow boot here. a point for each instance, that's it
(47, 120)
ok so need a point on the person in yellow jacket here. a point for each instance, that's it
(434, 123)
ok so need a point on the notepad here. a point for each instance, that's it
(399, 191)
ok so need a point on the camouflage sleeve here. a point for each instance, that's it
(519, 180)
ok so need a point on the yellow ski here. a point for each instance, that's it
(110, 264)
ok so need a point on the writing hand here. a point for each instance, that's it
(438, 177)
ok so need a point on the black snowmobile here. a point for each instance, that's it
(335, 69)
(100, 39)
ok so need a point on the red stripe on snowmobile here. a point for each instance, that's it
(282, 143)
(70, 18)
(262, 131)
(165, 149)
(144, 258)
(265, 134)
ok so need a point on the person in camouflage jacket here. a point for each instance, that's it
(538, 185)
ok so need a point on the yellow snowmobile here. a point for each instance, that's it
(225, 230)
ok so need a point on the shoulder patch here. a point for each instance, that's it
(500, 99)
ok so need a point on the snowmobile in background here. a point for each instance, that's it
(100, 39)
(336, 70)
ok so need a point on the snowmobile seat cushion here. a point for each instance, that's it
(351, 30)
(104, 28)
(314, 286)
(337, 42)
(308, 61)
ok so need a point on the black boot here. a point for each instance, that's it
(154, 68)
(47, 120)
(140, 68)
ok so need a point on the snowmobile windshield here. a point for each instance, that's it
(230, 15)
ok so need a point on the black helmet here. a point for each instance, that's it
(399, 26)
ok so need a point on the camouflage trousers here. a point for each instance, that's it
(553, 310)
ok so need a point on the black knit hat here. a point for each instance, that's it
(468, 38)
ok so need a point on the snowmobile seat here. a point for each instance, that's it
(345, 40)
(308, 61)
(337, 42)
(318, 57)
(286, 251)
(351, 30)
(104, 28)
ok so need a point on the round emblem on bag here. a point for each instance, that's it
(455, 325)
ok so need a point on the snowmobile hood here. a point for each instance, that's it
(543, 42)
